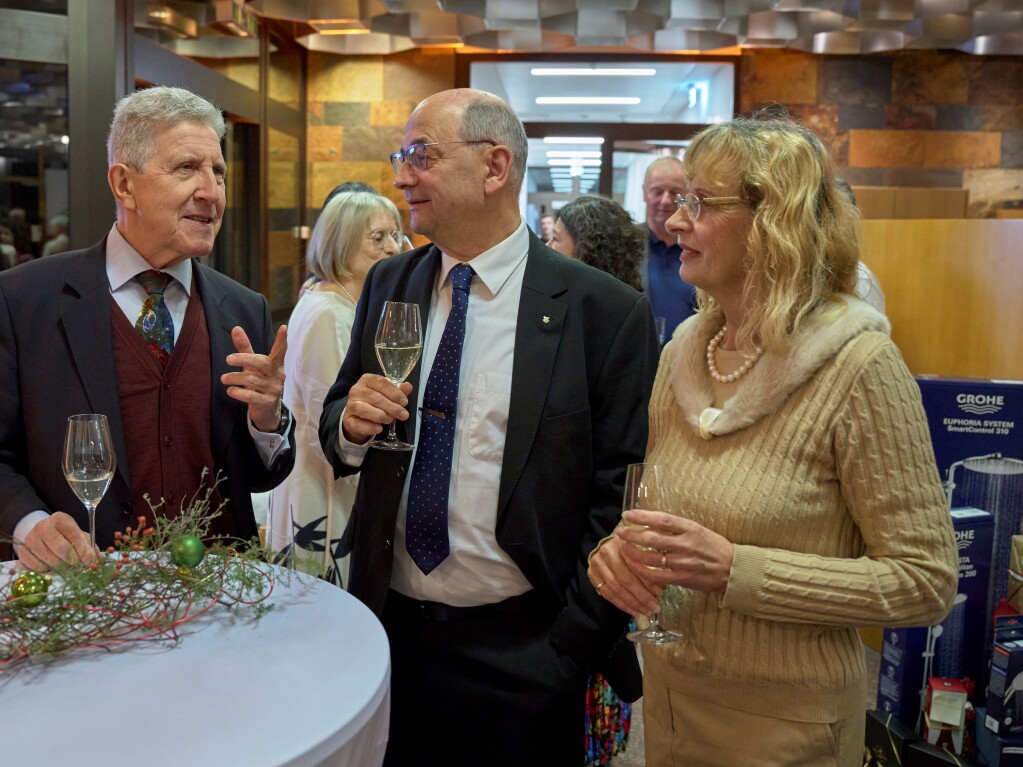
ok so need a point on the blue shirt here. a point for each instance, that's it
(672, 297)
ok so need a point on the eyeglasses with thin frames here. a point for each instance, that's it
(694, 204)
(416, 155)
(379, 237)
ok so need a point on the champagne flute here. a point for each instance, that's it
(89, 462)
(398, 344)
(645, 489)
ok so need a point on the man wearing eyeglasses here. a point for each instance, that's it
(529, 401)
(671, 297)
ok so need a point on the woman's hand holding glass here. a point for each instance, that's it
(666, 550)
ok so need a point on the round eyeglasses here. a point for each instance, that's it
(379, 237)
(694, 204)
(416, 155)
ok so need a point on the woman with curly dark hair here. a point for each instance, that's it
(601, 233)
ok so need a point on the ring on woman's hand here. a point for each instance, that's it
(598, 587)
(664, 560)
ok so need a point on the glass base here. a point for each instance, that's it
(390, 444)
(654, 636)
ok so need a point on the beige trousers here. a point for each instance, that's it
(685, 732)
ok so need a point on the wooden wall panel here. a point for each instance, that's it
(954, 292)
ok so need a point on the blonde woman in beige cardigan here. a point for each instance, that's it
(805, 497)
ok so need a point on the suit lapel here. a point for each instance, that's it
(537, 338)
(86, 324)
(218, 325)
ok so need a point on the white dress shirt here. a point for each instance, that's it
(477, 571)
(123, 263)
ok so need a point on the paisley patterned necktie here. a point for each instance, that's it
(154, 323)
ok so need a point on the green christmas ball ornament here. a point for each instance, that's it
(188, 551)
(30, 589)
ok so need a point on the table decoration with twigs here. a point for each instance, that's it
(145, 588)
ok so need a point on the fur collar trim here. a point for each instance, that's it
(770, 382)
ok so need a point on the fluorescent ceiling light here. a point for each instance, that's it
(592, 100)
(599, 72)
(572, 153)
(573, 140)
(575, 163)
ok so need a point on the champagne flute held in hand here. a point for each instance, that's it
(645, 489)
(89, 462)
(398, 344)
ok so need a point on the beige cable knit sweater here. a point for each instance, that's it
(820, 470)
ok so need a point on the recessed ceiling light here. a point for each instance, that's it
(598, 72)
(573, 140)
(572, 153)
(593, 100)
(575, 163)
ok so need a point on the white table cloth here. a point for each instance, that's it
(307, 684)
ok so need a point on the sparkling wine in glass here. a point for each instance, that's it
(645, 489)
(89, 461)
(398, 344)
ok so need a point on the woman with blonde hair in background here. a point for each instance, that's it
(310, 509)
(804, 498)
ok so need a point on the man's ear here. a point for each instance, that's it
(121, 185)
(498, 160)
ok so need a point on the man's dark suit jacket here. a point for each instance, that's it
(57, 359)
(585, 358)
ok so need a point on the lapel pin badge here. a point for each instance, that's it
(546, 319)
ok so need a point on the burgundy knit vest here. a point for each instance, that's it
(166, 417)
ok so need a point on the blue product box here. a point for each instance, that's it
(997, 751)
(976, 429)
(970, 418)
(955, 648)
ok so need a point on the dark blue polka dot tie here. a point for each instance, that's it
(426, 522)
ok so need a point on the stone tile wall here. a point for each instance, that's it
(913, 118)
(357, 112)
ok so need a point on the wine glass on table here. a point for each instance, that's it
(645, 489)
(398, 344)
(89, 461)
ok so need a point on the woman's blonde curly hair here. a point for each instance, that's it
(803, 245)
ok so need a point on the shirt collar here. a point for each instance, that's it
(495, 266)
(124, 262)
(659, 248)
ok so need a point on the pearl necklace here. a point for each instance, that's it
(351, 298)
(735, 375)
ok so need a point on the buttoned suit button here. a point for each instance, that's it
(388, 544)
(400, 472)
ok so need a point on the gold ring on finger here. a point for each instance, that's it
(664, 560)
(598, 587)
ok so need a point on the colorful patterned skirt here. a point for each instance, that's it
(607, 723)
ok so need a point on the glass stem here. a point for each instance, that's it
(392, 435)
(655, 624)
(92, 525)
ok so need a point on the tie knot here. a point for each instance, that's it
(153, 281)
(461, 277)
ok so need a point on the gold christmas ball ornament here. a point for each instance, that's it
(29, 589)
